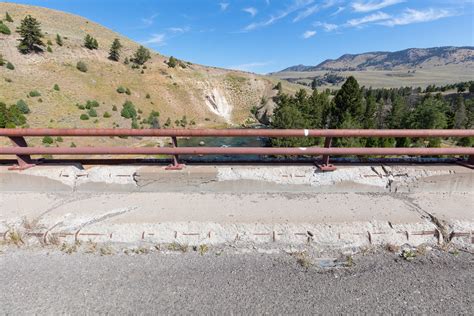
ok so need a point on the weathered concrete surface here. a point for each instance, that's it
(352, 207)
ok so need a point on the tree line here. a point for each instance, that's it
(358, 107)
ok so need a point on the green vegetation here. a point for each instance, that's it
(115, 48)
(4, 29)
(359, 107)
(2, 61)
(141, 56)
(128, 110)
(90, 42)
(8, 18)
(56, 87)
(172, 62)
(81, 66)
(59, 40)
(23, 107)
(49, 49)
(34, 93)
(11, 117)
(10, 66)
(31, 35)
(84, 117)
(121, 90)
(92, 112)
(153, 119)
(107, 115)
(48, 140)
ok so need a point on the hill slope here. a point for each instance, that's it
(400, 60)
(208, 96)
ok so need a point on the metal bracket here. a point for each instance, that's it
(24, 161)
(326, 166)
(175, 165)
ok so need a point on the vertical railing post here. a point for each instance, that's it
(175, 165)
(326, 166)
(24, 161)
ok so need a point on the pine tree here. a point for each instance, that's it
(90, 42)
(460, 117)
(114, 53)
(8, 18)
(31, 35)
(59, 40)
(141, 56)
(348, 100)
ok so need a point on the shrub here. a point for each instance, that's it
(10, 66)
(84, 117)
(73, 145)
(59, 139)
(90, 42)
(49, 43)
(92, 104)
(2, 61)
(142, 55)
(22, 106)
(4, 29)
(134, 123)
(56, 87)
(121, 90)
(114, 108)
(148, 96)
(34, 93)
(81, 66)
(48, 140)
(8, 80)
(59, 40)
(128, 110)
(107, 115)
(128, 92)
(8, 18)
(49, 49)
(92, 113)
(172, 62)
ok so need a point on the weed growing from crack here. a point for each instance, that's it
(178, 247)
(408, 254)
(302, 259)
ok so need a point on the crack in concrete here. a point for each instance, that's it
(443, 228)
(104, 217)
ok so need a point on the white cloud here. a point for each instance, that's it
(339, 10)
(251, 10)
(224, 5)
(410, 16)
(249, 66)
(305, 13)
(328, 27)
(372, 5)
(296, 5)
(308, 34)
(179, 29)
(148, 21)
(379, 16)
(156, 40)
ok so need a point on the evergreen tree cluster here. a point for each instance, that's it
(355, 107)
(90, 42)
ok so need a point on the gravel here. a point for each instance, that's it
(40, 282)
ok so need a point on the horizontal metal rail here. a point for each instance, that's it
(23, 152)
(309, 151)
(91, 132)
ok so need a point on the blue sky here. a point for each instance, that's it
(269, 35)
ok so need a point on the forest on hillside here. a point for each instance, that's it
(353, 106)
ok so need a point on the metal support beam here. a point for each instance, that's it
(24, 161)
(326, 166)
(175, 165)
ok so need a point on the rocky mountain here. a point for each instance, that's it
(411, 58)
(56, 91)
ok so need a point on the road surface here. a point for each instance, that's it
(36, 282)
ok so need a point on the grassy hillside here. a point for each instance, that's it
(208, 96)
(411, 67)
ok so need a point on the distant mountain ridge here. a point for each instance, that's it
(399, 60)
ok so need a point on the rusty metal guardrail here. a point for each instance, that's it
(23, 152)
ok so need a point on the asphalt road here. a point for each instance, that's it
(38, 283)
